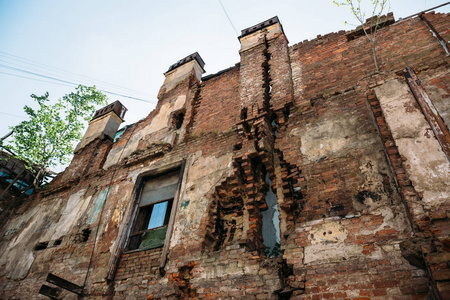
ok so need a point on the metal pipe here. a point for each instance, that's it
(424, 11)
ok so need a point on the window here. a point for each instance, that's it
(153, 215)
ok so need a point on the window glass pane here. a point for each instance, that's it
(158, 215)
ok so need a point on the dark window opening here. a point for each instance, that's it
(85, 234)
(155, 207)
(178, 119)
(244, 113)
(57, 242)
(41, 246)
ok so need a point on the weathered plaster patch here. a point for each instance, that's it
(323, 253)
(330, 232)
(372, 193)
(395, 221)
(320, 250)
(133, 175)
(75, 207)
(297, 78)
(438, 97)
(17, 258)
(331, 137)
(328, 238)
(19, 264)
(117, 217)
(428, 167)
(204, 174)
(159, 122)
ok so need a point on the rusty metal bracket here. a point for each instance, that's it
(431, 114)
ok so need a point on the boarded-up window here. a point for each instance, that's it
(155, 206)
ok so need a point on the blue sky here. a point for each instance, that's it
(132, 43)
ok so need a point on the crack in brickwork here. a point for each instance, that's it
(344, 231)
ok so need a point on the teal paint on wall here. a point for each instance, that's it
(185, 204)
(97, 206)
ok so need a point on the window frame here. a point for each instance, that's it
(170, 213)
(133, 208)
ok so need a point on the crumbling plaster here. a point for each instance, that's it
(427, 165)
(158, 123)
(333, 136)
(332, 239)
(43, 223)
(203, 174)
(342, 220)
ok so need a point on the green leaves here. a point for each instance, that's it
(47, 138)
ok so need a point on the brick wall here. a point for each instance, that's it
(352, 224)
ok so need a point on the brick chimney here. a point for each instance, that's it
(191, 64)
(265, 59)
(252, 36)
(105, 123)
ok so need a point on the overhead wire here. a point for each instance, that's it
(59, 79)
(53, 69)
(17, 75)
(223, 8)
(12, 115)
(60, 75)
(75, 84)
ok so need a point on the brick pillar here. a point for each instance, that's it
(266, 93)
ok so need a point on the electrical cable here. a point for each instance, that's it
(59, 74)
(3, 113)
(223, 8)
(103, 205)
(17, 75)
(40, 65)
(73, 83)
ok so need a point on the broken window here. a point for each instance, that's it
(155, 207)
(271, 223)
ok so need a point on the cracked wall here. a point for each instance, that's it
(357, 177)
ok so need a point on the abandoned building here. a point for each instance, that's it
(298, 173)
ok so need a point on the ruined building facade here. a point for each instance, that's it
(299, 173)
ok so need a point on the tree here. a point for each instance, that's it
(48, 137)
(379, 7)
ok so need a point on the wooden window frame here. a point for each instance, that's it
(133, 208)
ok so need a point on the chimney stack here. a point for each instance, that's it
(181, 69)
(253, 36)
(105, 123)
